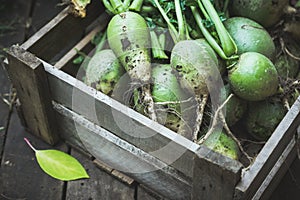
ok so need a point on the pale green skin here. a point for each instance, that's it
(254, 77)
(166, 88)
(250, 36)
(235, 108)
(264, 12)
(220, 142)
(128, 36)
(263, 117)
(104, 71)
(197, 65)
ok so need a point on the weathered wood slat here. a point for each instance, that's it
(4, 108)
(29, 78)
(42, 12)
(215, 176)
(270, 153)
(123, 156)
(83, 45)
(277, 172)
(129, 125)
(144, 193)
(61, 34)
(100, 185)
(20, 175)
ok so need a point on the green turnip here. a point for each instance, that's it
(250, 36)
(104, 71)
(265, 12)
(220, 142)
(263, 117)
(129, 38)
(234, 108)
(254, 77)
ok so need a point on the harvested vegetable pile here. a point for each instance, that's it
(220, 73)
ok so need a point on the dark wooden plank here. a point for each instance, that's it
(144, 193)
(13, 18)
(129, 125)
(254, 176)
(123, 156)
(42, 12)
(29, 78)
(289, 187)
(4, 108)
(277, 172)
(100, 185)
(84, 45)
(58, 36)
(21, 177)
(215, 176)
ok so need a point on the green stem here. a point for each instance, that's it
(147, 9)
(102, 42)
(206, 34)
(172, 29)
(228, 45)
(126, 3)
(203, 11)
(117, 6)
(108, 6)
(180, 21)
(136, 5)
(157, 51)
(30, 145)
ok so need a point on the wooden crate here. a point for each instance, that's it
(46, 93)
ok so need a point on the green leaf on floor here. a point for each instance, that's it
(58, 164)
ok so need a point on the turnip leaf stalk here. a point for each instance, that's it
(129, 37)
(227, 43)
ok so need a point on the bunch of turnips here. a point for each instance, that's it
(201, 67)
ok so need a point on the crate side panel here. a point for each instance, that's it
(215, 175)
(122, 121)
(270, 153)
(123, 156)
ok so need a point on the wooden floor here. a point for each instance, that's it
(20, 176)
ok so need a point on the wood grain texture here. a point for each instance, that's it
(280, 168)
(41, 13)
(123, 156)
(215, 176)
(4, 108)
(100, 185)
(127, 124)
(20, 175)
(30, 80)
(144, 193)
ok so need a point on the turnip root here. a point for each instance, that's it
(129, 38)
(196, 64)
